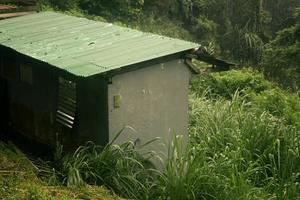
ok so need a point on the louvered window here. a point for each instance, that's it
(66, 105)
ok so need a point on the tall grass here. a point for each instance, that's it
(251, 148)
(120, 168)
(237, 150)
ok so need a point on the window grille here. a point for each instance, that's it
(66, 105)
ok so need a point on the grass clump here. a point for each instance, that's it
(254, 152)
(18, 181)
(120, 168)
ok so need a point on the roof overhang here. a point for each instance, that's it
(84, 47)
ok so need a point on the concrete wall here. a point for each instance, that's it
(153, 101)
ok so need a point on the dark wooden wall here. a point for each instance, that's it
(29, 103)
(93, 110)
(31, 97)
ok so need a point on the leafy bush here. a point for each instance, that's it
(61, 4)
(281, 56)
(203, 28)
(225, 84)
(164, 26)
(279, 103)
(254, 89)
(128, 9)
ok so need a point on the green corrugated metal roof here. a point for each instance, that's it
(84, 47)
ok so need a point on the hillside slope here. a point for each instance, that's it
(18, 181)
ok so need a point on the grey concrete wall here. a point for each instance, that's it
(153, 102)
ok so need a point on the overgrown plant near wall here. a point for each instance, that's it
(120, 168)
(19, 180)
(255, 153)
(242, 146)
(236, 152)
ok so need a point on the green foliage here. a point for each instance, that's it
(254, 89)
(280, 104)
(176, 181)
(118, 167)
(164, 26)
(244, 45)
(225, 84)
(62, 4)
(188, 176)
(281, 57)
(129, 9)
(254, 152)
(17, 181)
(203, 28)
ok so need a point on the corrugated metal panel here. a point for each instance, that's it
(84, 47)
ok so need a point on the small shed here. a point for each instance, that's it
(70, 79)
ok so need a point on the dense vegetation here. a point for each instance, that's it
(281, 57)
(19, 180)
